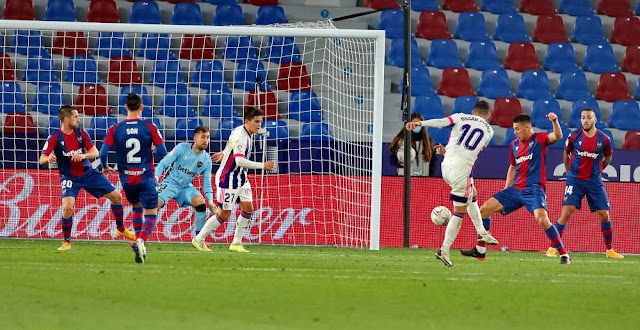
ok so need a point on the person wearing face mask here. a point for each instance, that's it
(422, 149)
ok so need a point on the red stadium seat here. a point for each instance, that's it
(521, 56)
(550, 29)
(123, 70)
(460, 6)
(69, 43)
(631, 61)
(626, 31)
(197, 47)
(615, 8)
(6, 68)
(19, 122)
(631, 140)
(537, 7)
(455, 82)
(381, 4)
(293, 77)
(433, 25)
(262, 2)
(19, 9)
(504, 110)
(268, 103)
(612, 87)
(92, 100)
(103, 11)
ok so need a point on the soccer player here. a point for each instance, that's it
(232, 184)
(586, 153)
(70, 147)
(470, 134)
(181, 166)
(525, 184)
(133, 140)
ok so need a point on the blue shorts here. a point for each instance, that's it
(92, 182)
(576, 189)
(513, 199)
(144, 193)
(182, 195)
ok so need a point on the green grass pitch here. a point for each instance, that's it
(97, 285)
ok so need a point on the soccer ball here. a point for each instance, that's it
(440, 215)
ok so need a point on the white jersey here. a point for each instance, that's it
(229, 174)
(469, 136)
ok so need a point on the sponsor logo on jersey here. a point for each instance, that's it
(135, 172)
(72, 152)
(524, 158)
(587, 154)
(186, 170)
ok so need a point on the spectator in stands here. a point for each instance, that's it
(421, 144)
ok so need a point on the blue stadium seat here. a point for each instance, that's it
(540, 110)
(471, 27)
(391, 21)
(239, 48)
(429, 106)
(40, 69)
(166, 72)
(565, 133)
(440, 135)
(609, 134)
(49, 98)
(28, 42)
(395, 56)
(99, 126)
(82, 70)
(424, 5)
(304, 106)
(576, 7)
(208, 75)
(464, 104)
(534, 85)
(498, 6)
(185, 127)
(638, 9)
(60, 10)
(221, 2)
(511, 28)
(112, 44)
(228, 14)
(11, 97)
(145, 12)
(155, 121)
(147, 110)
(282, 50)
(443, 54)
(509, 136)
(421, 83)
(270, 15)
(482, 55)
(588, 30)
(219, 104)
(315, 132)
(177, 102)
(637, 94)
(155, 46)
(54, 124)
(576, 110)
(186, 13)
(494, 84)
(625, 115)
(573, 86)
(277, 129)
(600, 58)
(560, 58)
(225, 126)
(246, 73)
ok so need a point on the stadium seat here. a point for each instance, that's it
(166, 72)
(471, 27)
(576, 110)
(196, 47)
(464, 104)
(609, 134)
(103, 11)
(429, 106)
(69, 43)
(208, 75)
(145, 12)
(440, 135)
(225, 126)
(186, 13)
(541, 108)
(626, 31)
(239, 48)
(185, 128)
(219, 104)
(270, 14)
(637, 11)
(11, 97)
(459, 6)
(625, 115)
(443, 53)
(637, 94)
(82, 70)
(588, 30)
(381, 4)
(550, 29)
(395, 56)
(421, 83)
(537, 7)
(61, 10)
(494, 84)
(424, 5)
(615, 8)
(498, 6)
(92, 100)
(18, 9)
(112, 44)
(632, 140)
(228, 14)
(54, 124)
(282, 50)
(123, 70)
(99, 126)
(49, 98)
(304, 106)
(631, 61)
(315, 132)
(521, 56)
(573, 86)
(612, 87)
(504, 110)
(268, 103)
(147, 110)
(433, 25)
(6, 68)
(455, 82)
(277, 129)
(155, 47)
(293, 76)
(247, 72)
(534, 85)
(177, 1)
(565, 133)
(39, 69)
(509, 136)
(178, 102)
(511, 28)
(392, 22)
(19, 122)
(560, 58)
(482, 55)
(576, 7)
(29, 43)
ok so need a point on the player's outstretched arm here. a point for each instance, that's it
(442, 122)
(557, 131)
(217, 157)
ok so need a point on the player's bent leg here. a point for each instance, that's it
(542, 218)
(242, 224)
(212, 224)
(561, 225)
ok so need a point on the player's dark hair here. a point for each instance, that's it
(251, 112)
(482, 107)
(590, 109)
(200, 129)
(427, 141)
(525, 119)
(134, 101)
(65, 111)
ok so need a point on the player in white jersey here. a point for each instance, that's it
(232, 184)
(470, 134)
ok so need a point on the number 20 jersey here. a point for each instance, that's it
(470, 134)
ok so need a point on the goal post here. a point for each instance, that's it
(321, 89)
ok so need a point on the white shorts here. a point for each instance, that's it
(461, 184)
(227, 198)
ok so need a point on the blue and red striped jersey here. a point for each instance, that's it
(528, 158)
(587, 154)
(66, 145)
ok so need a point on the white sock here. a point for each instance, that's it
(452, 231)
(209, 227)
(241, 227)
(481, 249)
(474, 213)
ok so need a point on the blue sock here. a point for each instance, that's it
(486, 223)
(67, 224)
(201, 218)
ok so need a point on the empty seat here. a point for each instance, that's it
(632, 140)
(103, 11)
(28, 42)
(433, 25)
(631, 61)
(600, 58)
(99, 126)
(268, 103)
(49, 98)
(185, 128)
(429, 106)
(60, 10)
(612, 87)
(626, 31)
(293, 76)
(277, 129)
(537, 7)
(511, 28)
(19, 122)
(494, 84)
(392, 22)
(534, 85)
(186, 13)
(166, 72)
(482, 55)
(541, 108)
(69, 43)
(424, 5)
(637, 11)
(270, 15)
(276, 2)
(573, 86)
(588, 30)
(145, 12)
(228, 14)
(550, 29)
(625, 115)
(147, 109)
(6, 68)
(443, 53)
(315, 132)
(11, 97)
(395, 56)
(521, 56)
(460, 6)
(82, 70)
(92, 100)
(39, 69)
(498, 6)
(219, 104)
(455, 82)
(471, 27)
(247, 72)
(208, 75)
(637, 94)
(421, 83)
(155, 46)
(304, 106)
(609, 134)
(382, 4)
(576, 7)
(565, 133)
(225, 126)
(440, 135)
(282, 50)
(560, 58)
(123, 70)
(239, 48)
(18, 9)
(615, 8)
(177, 101)
(196, 47)
(504, 110)
(112, 44)
(464, 104)
(579, 105)
(509, 136)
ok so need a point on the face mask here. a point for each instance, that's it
(417, 129)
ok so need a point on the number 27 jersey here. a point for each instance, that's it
(470, 134)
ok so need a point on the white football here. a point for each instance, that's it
(440, 215)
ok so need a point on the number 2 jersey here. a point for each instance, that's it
(470, 134)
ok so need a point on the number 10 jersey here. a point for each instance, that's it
(470, 134)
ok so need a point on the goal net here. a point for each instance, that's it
(319, 87)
